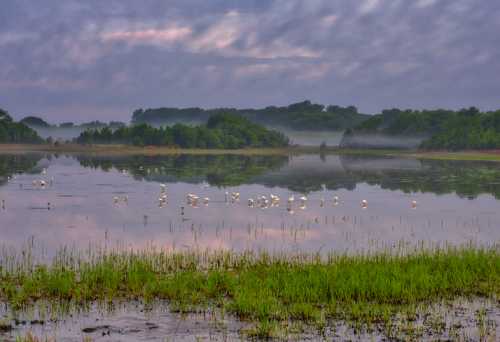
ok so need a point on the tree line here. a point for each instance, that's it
(463, 129)
(298, 116)
(222, 130)
(16, 132)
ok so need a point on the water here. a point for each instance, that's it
(113, 201)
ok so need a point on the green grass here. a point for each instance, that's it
(464, 155)
(292, 150)
(270, 290)
(435, 155)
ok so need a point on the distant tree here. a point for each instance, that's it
(303, 115)
(4, 115)
(15, 132)
(35, 121)
(222, 130)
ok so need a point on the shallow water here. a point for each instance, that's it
(456, 202)
(459, 320)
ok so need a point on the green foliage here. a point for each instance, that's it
(300, 116)
(468, 129)
(15, 132)
(450, 130)
(34, 121)
(222, 131)
(406, 122)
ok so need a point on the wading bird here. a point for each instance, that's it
(335, 200)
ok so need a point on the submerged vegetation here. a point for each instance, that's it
(223, 130)
(366, 290)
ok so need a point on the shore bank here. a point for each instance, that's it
(487, 155)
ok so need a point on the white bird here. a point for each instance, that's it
(303, 200)
(335, 200)
(115, 199)
(414, 204)
(291, 199)
(275, 200)
(251, 202)
(264, 203)
(364, 204)
(206, 200)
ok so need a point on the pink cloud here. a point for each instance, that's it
(170, 34)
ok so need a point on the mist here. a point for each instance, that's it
(311, 138)
(301, 138)
(58, 133)
(358, 140)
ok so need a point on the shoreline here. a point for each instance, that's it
(475, 155)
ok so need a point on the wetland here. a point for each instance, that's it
(230, 246)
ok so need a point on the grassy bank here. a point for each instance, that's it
(269, 290)
(490, 155)
(493, 155)
(148, 150)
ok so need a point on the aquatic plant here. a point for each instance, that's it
(367, 289)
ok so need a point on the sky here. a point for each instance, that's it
(72, 60)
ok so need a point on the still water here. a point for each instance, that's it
(114, 201)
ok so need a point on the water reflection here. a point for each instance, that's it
(217, 170)
(11, 165)
(305, 203)
(311, 173)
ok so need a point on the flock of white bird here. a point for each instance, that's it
(194, 200)
(261, 201)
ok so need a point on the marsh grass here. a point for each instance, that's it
(271, 290)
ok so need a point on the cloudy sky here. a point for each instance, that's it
(94, 59)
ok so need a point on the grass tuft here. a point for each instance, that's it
(268, 289)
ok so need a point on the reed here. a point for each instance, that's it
(266, 288)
